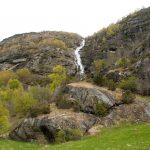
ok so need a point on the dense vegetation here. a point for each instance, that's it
(126, 137)
(17, 99)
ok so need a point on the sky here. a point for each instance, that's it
(80, 16)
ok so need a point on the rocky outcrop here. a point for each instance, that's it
(43, 129)
(39, 52)
(137, 112)
(128, 38)
(88, 95)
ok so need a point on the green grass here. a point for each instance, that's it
(125, 137)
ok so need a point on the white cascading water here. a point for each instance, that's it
(80, 66)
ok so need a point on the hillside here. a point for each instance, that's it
(56, 87)
(39, 51)
(127, 39)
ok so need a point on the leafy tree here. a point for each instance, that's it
(57, 77)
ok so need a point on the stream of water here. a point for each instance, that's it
(80, 66)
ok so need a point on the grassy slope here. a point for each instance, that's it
(127, 137)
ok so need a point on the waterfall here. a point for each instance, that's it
(80, 66)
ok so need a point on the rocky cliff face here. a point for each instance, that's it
(39, 51)
(129, 38)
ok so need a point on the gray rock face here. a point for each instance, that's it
(88, 96)
(131, 41)
(43, 129)
(137, 112)
(35, 51)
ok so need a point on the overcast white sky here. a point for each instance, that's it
(81, 16)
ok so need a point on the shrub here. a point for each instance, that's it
(23, 74)
(5, 95)
(111, 85)
(123, 62)
(5, 76)
(39, 109)
(129, 83)
(54, 42)
(73, 134)
(40, 93)
(60, 137)
(99, 64)
(24, 101)
(4, 119)
(57, 77)
(14, 84)
(101, 109)
(127, 97)
(63, 103)
(68, 135)
(99, 80)
(112, 29)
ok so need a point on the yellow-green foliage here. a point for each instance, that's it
(123, 62)
(112, 29)
(24, 101)
(99, 64)
(57, 77)
(5, 76)
(4, 119)
(23, 74)
(14, 84)
(42, 94)
(54, 42)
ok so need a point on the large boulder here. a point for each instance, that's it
(43, 129)
(137, 112)
(88, 95)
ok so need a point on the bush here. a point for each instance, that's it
(54, 42)
(129, 83)
(23, 74)
(73, 134)
(99, 80)
(42, 94)
(112, 29)
(111, 85)
(63, 103)
(39, 109)
(68, 135)
(101, 109)
(99, 64)
(60, 137)
(14, 84)
(5, 76)
(4, 119)
(123, 62)
(23, 101)
(128, 97)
